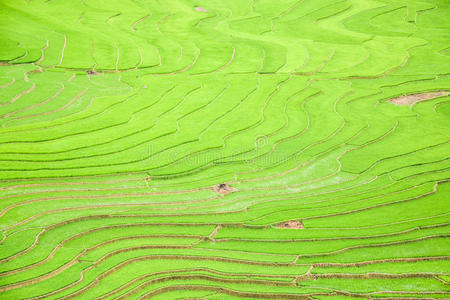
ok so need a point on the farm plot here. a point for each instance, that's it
(293, 149)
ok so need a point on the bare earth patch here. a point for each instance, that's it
(34, 72)
(293, 224)
(91, 72)
(198, 8)
(412, 99)
(223, 189)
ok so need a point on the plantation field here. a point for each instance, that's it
(232, 149)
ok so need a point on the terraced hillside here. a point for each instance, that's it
(224, 149)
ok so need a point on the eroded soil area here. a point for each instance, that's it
(414, 98)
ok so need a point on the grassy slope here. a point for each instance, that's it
(117, 118)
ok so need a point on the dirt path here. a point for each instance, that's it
(43, 52)
(8, 84)
(133, 27)
(63, 50)
(18, 96)
(55, 110)
(35, 105)
(201, 9)
(215, 231)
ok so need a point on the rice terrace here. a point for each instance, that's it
(225, 149)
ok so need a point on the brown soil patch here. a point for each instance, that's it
(412, 99)
(198, 8)
(91, 72)
(293, 224)
(223, 189)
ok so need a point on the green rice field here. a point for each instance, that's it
(225, 149)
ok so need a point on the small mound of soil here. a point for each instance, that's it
(91, 72)
(198, 8)
(223, 189)
(412, 99)
(293, 224)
